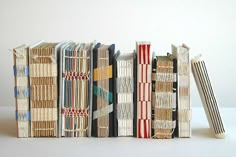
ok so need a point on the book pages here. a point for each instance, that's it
(207, 96)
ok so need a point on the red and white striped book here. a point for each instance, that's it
(143, 89)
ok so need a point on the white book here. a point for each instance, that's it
(21, 73)
(183, 90)
(125, 93)
(208, 97)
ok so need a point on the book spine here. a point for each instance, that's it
(207, 96)
(21, 91)
(115, 94)
(143, 90)
(90, 105)
(125, 93)
(76, 74)
(135, 95)
(164, 98)
(103, 105)
(43, 91)
(184, 108)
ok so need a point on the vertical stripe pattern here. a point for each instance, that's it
(208, 96)
(75, 89)
(43, 90)
(143, 90)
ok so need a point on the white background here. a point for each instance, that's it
(206, 26)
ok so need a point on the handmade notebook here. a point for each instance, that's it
(75, 89)
(58, 48)
(181, 53)
(124, 93)
(207, 95)
(21, 73)
(143, 89)
(43, 89)
(103, 108)
(163, 97)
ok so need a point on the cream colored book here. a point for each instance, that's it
(43, 90)
(21, 73)
(183, 91)
(208, 97)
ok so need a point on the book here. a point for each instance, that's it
(207, 95)
(143, 89)
(164, 70)
(75, 89)
(43, 89)
(103, 117)
(181, 53)
(21, 90)
(124, 93)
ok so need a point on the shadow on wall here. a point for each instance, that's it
(202, 132)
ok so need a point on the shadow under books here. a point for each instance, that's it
(202, 132)
(8, 127)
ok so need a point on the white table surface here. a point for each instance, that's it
(202, 143)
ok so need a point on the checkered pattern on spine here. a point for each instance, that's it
(163, 98)
(125, 94)
(143, 89)
(43, 90)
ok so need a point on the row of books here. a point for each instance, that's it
(70, 89)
